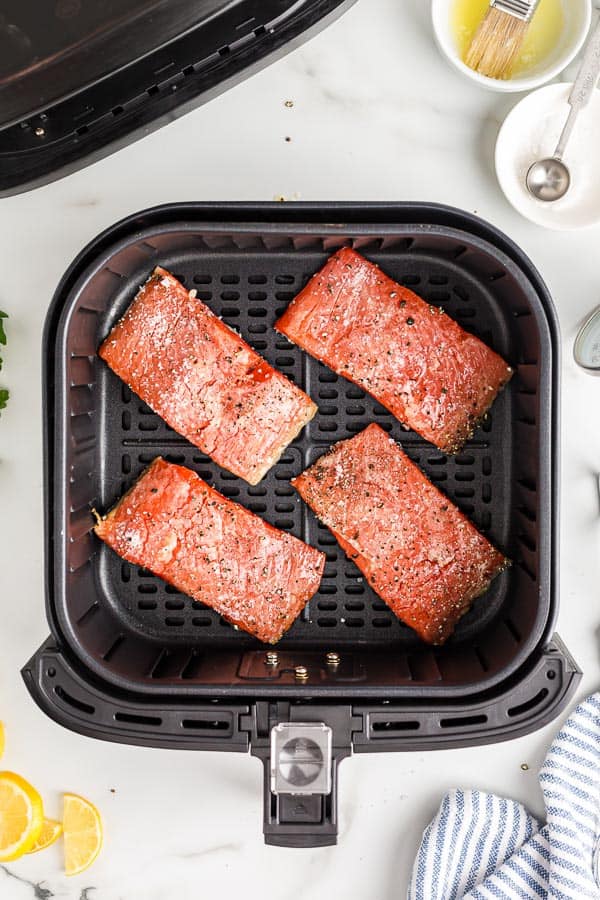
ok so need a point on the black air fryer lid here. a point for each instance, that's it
(80, 78)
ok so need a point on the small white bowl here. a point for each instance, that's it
(578, 17)
(531, 131)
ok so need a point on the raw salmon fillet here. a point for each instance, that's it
(414, 359)
(416, 549)
(177, 526)
(204, 380)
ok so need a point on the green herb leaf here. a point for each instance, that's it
(4, 395)
(3, 315)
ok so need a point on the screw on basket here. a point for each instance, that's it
(39, 131)
(301, 673)
(271, 658)
(333, 659)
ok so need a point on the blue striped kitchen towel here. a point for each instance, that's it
(482, 847)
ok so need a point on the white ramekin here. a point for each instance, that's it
(530, 132)
(578, 17)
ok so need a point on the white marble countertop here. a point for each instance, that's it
(377, 115)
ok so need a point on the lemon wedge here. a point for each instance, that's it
(51, 831)
(21, 816)
(82, 828)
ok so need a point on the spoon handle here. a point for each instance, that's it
(588, 72)
(583, 88)
(566, 132)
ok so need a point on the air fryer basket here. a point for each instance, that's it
(158, 659)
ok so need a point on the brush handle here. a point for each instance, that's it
(583, 88)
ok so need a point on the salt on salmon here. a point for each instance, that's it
(216, 551)
(414, 359)
(204, 380)
(423, 557)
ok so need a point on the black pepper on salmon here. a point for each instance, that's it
(216, 551)
(423, 557)
(414, 359)
(204, 380)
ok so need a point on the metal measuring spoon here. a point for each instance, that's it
(549, 179)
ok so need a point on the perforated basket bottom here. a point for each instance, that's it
(249, 290)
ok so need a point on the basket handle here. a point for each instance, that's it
(301, 749)
(301, 820)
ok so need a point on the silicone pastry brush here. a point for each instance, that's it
(498, 40)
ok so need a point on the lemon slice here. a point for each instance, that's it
(82, 828)
(21, 816)
(51, 831)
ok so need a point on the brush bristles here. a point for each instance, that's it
(497, 44)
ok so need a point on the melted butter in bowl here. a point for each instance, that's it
(555, 36)
(543, 35)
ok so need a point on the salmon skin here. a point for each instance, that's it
(416, 549)
(414, 359)
(216, 551)
(204, 380)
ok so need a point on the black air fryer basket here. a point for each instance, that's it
(133, 660)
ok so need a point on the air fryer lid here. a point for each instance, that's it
(50, 50)
(80, 78)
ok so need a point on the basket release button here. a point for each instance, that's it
(301, 759)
